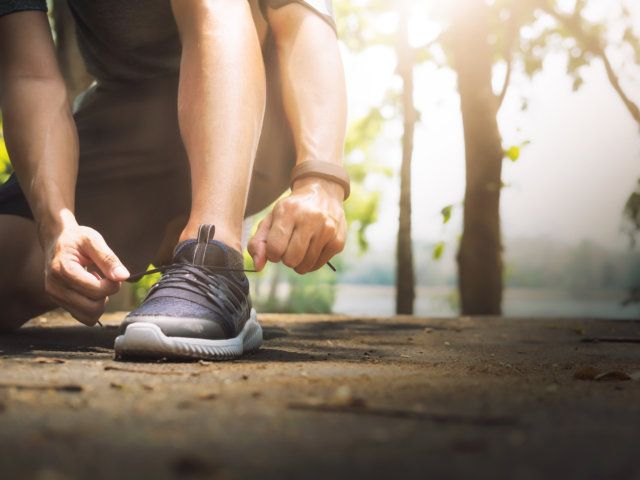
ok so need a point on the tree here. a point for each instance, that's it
(358, 29)
(482, 34)
(480, 252)
(405, 275)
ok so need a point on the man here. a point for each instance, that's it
(167, 138)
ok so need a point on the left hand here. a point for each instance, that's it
(304, 230)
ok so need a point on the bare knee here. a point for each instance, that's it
(22, 295)
(205, 17)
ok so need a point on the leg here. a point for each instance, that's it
(275, 158)
(221, 104)
(22, 274)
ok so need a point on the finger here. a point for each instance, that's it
(73, 276)
(297, 248)
(328, 252)
(334, 245)
(81, 317)
(313, 253)
(258, 244)
(83, 309)
(279, 237)
(107, 287)
(108, 262)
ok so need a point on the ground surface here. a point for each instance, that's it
(328, 398)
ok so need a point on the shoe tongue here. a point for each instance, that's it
(207, 252)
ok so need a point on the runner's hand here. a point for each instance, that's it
(71, 257)
(304, 230)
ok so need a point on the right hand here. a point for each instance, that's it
(71, 257)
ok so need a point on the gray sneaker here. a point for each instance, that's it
(200, 308)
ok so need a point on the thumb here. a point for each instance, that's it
(104, 258)
(258, 244)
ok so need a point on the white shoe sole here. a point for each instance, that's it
(145, 339)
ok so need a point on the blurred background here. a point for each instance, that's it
(494, 150)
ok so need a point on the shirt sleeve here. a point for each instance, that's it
(324, 8)
(11, 6)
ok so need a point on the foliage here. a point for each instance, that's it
(142, 286)
(5, 164)
(632, 214)
(438, 250)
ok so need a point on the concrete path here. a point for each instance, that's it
(329, 398)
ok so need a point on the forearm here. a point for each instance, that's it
(43, 147)
(39, 130)
(313, 83)
(308, 227)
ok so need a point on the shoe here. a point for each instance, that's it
(199, 309)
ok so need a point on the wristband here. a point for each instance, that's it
(325, 170)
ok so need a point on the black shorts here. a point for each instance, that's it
(133, 178)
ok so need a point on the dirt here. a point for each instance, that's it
(329, 397)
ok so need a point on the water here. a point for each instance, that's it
(379, 300)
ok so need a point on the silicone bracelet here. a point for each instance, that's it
(326, 170)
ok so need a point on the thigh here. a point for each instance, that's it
(22, 293)
(133, 177)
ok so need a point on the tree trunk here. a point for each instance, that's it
(480, 253)
(69, 58)
(405, 277)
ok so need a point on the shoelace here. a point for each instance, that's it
(203, 281)
(163, 268)
(201, 275)
(224, 295)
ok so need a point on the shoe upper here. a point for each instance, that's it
(204, 293)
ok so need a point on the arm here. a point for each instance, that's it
(307, 228)
(42, 142)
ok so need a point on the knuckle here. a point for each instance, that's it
(290, 260)
(330, 227)
(90, 236)
(110, 258)
(56, 269)
(292, 206)
(275, 249)
(64, 270)
(316, 215)
(281, 208)
(86, 235)
(335, 245)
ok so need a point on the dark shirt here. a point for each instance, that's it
(124, 40)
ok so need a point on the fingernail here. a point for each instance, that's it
(120, 271)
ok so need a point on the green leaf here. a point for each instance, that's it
(438, 250)
(513, 153)
(578, 81)
(446, 214)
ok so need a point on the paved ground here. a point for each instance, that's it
(329, 398)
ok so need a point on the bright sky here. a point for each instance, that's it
(570, 183)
